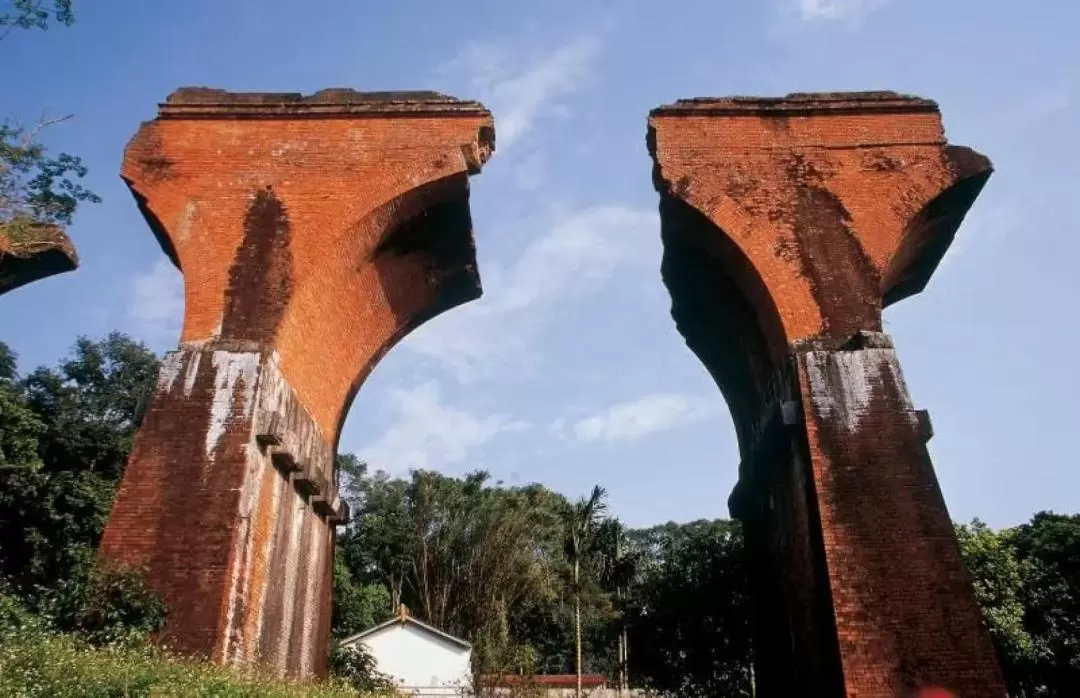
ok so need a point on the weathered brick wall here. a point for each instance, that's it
(313, 233)
(788, 225)
(32, 251)
(900, 594)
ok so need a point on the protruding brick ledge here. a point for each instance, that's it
(33, 251)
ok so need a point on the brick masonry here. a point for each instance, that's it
(33, 251)
(788, 225)
(313, 234)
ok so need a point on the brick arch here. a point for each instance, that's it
(722, 308)
(731, 198)
(426, 231)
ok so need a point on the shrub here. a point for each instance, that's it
(357, 666)
(37, 663)
(112, 604)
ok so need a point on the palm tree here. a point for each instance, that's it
(582, 520)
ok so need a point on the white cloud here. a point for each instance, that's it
(579, 251)
(426, 433)
(836, 10)
(634, 419)
(157, 301)
(520, 88)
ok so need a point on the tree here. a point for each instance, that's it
(66, 437)
(998, 576)
(1050, 545)
(689, 622)
(617, 568)
(34, 14)
(356, 606)
(582, 521)
(466, 556)
(38, 193)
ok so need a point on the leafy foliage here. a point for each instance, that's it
(492, 564)
(357, 666)
(688, 625)
(1049, 545)
(998, 575)
(38, 663)
(114, 604)
(65, 439)
(36, 188)
(34, 14)
(356, 607)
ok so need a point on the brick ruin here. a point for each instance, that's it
(788, 225)
(313, 233)
(32, 251)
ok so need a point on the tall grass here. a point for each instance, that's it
(36, 662)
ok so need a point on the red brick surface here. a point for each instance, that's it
(313, 233)
(788, 225)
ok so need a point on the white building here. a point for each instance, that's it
(421, 659)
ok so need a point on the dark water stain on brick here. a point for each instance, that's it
(879, 160)
(147, 151)
(260, 279)
(842, 279)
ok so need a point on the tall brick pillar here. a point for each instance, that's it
(788, 224)
(313, 233)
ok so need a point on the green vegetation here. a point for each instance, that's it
(492, 564)
(35, 189)
(35, 662)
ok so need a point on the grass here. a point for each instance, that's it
(35, 662)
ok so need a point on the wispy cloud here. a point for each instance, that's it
(156, 304)
(427, 433)
(836, 10)
(579, 251)
(520, 87)
(635, 419)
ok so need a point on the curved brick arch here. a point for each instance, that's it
(313, 232)
(437, 206)
(841, 204)
(722, 308)
(719, 191)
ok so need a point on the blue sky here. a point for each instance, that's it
(569, 370)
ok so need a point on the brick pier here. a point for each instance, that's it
(788, 225)
(313, 233)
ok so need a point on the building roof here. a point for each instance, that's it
(550, 680)
(403, 618)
